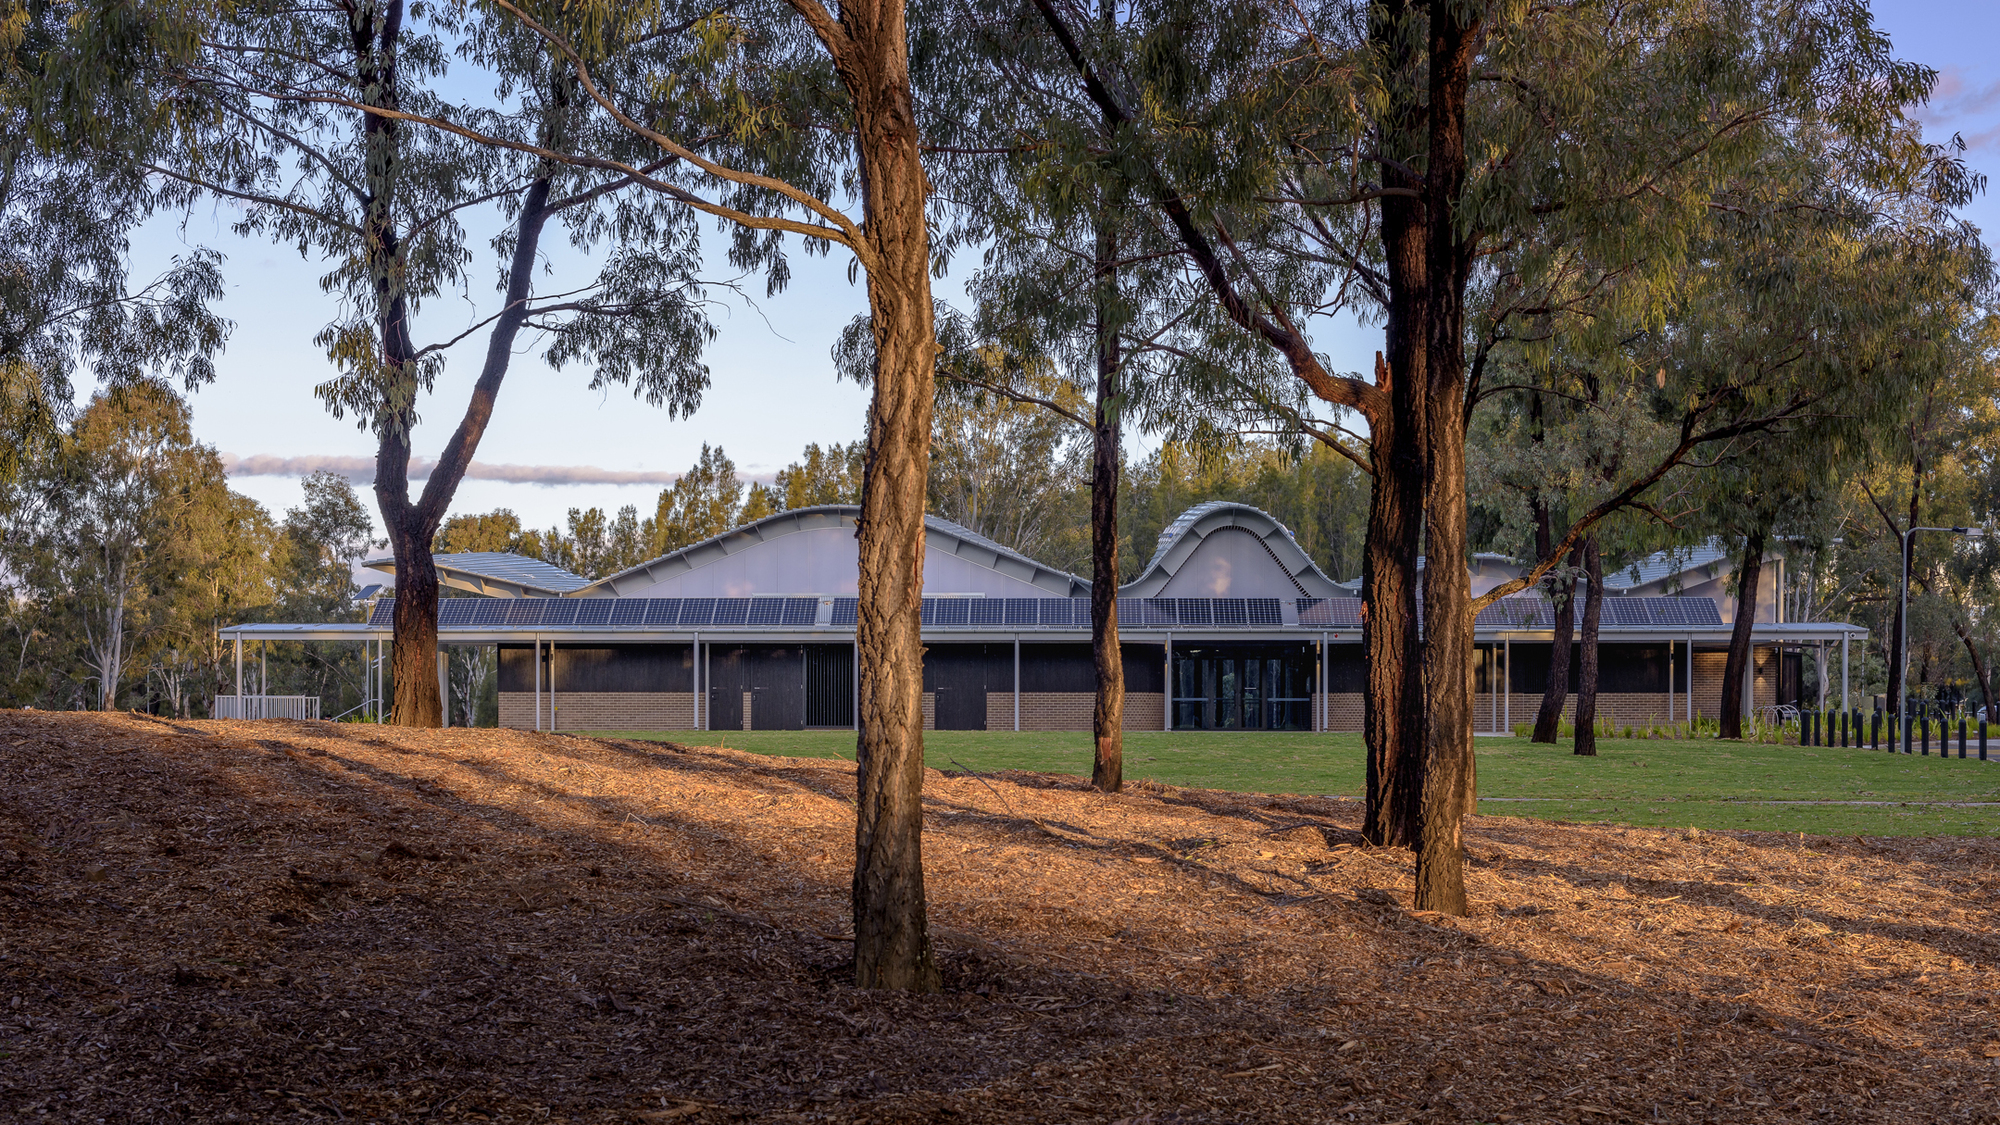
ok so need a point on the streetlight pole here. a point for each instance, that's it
(1903, 642)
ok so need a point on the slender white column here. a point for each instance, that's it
(239, 677)
(1168, 724)
(538, 681)
(1017, 683)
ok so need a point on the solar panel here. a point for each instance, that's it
(558, 611)
(488, 612)
(731, 611)
(524, 612)
(1023, 611)
(663, 611)
(629, 611)
(1054, 611)
(1192, 611)
(1341, 612)
(384, 612)
(986, 611)
(453, 612)
(1230, 611)
(844, 610)
(697, 611)
(799, 611)
(1265, 611)
(952, 611)
(593, 611)
(1079, 611)
(766, 611)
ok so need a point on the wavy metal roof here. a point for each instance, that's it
(498, 572)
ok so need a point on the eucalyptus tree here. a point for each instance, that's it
(764, 115)
(68, 201)
(1405, 142)
(299, 117)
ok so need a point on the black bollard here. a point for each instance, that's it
(1961, 736)
(1982, 740)
(1875, 730)
(1924, 730)
(1908, 735)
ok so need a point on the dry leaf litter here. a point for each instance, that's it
(288, 921)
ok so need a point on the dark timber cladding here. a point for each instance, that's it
(769, 679)
(604, 668)
(959, 677)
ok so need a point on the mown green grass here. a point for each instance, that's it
(1702, 783)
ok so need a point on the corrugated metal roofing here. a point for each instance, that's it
(504, 566)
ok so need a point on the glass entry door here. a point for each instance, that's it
(1243, 687)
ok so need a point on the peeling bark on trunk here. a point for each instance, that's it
(1391, 639)
(1107, 716)
(1442, 714)
(891, 934)
(1739, 635)
(1586, 687)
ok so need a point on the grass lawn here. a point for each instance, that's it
(1701, 783)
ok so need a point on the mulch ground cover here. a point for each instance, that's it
(284, 921)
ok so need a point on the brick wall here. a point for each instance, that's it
(1070, 710)
(1636, 708)
(1344, 711)
(602, 710)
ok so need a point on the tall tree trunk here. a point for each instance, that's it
(1739, 636)
(1586, 687)
(413, 526)
(1395, 635)
(1555, 693)
(1907, 547)
(1107, 716)
(892, 946)
(1443, 711)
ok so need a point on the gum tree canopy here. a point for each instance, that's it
(1399, 147)
(300, 119)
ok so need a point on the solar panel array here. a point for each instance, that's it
(1336, 612)
(1539, 613)
(561, 613)
(1008, 613)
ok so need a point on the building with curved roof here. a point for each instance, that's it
(1229, 626)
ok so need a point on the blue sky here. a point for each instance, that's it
(774, 388)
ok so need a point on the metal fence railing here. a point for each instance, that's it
(265, 707)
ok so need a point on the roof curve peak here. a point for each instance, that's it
(1186, 533)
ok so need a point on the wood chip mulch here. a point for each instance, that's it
(287, 921)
